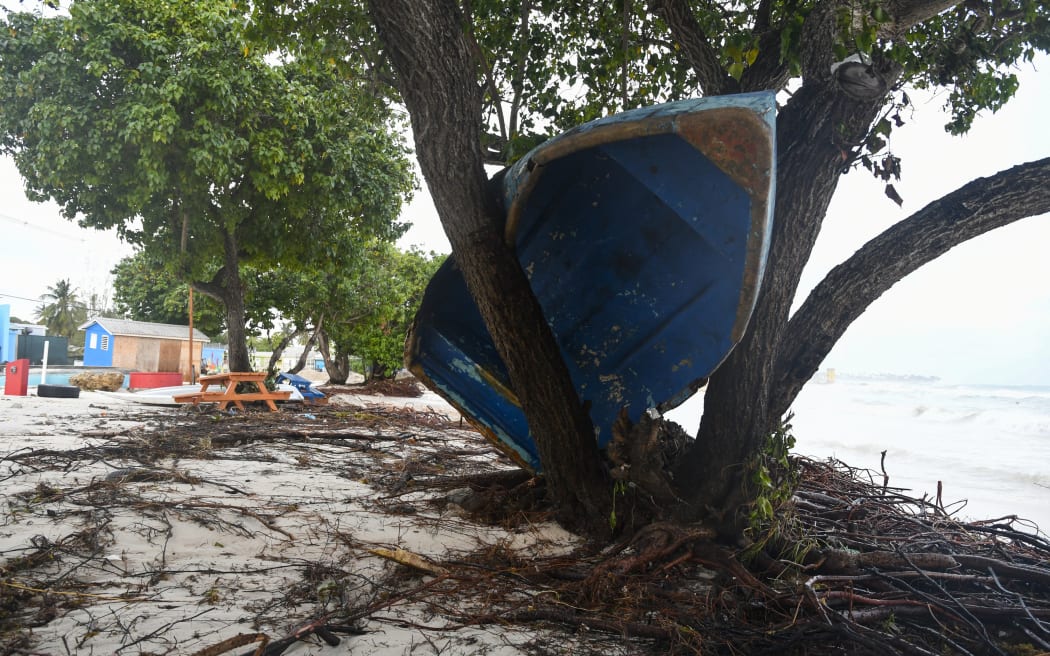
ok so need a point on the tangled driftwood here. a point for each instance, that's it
(852, 566)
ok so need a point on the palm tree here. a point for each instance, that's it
(61, 311)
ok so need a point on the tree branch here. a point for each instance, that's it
(517, 81)
(695, 45)
(438, 83)
(301, 362)
(909, 13)
(275, 356)
(212, 288)
(486, 68)
(848, 290)
(770, 70)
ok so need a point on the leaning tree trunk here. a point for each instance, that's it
(338, 366)
(437, 78)
(278, 351)
(817, 131)
(301, 362)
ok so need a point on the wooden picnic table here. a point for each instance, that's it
(230, 382)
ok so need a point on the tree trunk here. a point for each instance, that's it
(338, 367)
(816, 133)
(226, 287)
(234, 300)
(378, 371)
(301, 362)
(437, 78)
(278, 351)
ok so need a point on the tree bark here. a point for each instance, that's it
(909, 13)
(227, 288)
(337, 367)
(234, 300)
(278, 351)
(438, 81)
(695, 46)
(846, 292)
(817, 132)
(301, 362)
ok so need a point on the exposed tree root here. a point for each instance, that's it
(856, 568)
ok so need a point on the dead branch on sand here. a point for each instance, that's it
(287, 504)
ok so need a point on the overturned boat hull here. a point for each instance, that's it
(644, 236)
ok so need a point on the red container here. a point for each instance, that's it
(16, 377)
(154, 379)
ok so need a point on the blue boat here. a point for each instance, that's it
(644, 236)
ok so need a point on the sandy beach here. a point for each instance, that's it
(386, 525)
(130, 529)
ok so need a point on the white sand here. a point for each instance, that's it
(220, 545)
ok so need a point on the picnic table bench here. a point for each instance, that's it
(229, 381)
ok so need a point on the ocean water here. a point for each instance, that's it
(988, 446)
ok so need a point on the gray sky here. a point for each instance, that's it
(980, 314)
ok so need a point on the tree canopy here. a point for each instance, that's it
(360, 304)
(144, 289)
(389, 288)
(165, 121)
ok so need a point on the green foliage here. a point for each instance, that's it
(547, 65)
(773, 477)
(334, 36)
(146, 289)
(381, 339)
(373, 303)
(971, 50)
(559, 64)
(62, 311)
(164, 120)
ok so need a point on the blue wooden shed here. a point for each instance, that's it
(140, 345)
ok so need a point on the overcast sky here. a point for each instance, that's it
(980, 314)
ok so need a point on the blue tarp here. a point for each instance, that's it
(304, 386)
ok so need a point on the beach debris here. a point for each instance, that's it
(310, 394)
(409, 559)
(44, 390)
(150, 518)
(106, 382)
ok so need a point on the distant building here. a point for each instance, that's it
(10, 332)
(141, 345)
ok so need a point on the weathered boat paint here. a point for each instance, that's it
(644, 236)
